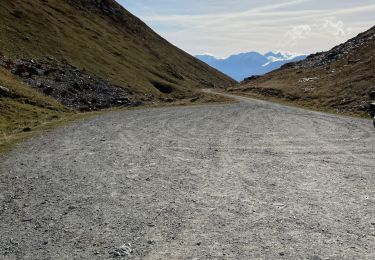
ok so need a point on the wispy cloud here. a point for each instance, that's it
(222, 17)
(223, 27)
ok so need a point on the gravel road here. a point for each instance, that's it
(252, 180)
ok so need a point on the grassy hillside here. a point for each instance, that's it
(104, 39)
(339, 80)
(23, 110)
(58, 57)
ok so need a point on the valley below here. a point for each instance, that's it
(249, 180)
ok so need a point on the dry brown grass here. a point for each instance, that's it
(340, 87)
(124, 51)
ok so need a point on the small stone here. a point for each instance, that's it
(4, 92)
(17, 13)
(4, 89)
(27, 129)
(194, 99)
(13, 242)
(122, 251)
(279, 205)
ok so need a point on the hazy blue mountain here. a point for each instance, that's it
(243, 65)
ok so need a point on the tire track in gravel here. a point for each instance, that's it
(252, 180)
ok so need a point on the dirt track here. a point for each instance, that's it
(252, 180)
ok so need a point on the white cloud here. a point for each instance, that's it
(298, 32)
(328, 27)
(335, 27)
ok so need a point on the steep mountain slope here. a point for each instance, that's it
(103, 38)
(338, 80)
(243, 65)
(88, 55)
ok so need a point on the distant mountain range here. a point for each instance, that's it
(243, 65)
(341, 79)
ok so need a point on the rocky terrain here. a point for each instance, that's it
(343, 51)
(70, 86)
(339, 80)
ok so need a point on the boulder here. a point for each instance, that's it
(4, 92)
(372, 94)
(372, 108)
(251, 78)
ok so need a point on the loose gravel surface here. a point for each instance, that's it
(252, 180)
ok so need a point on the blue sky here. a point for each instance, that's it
(225, 27)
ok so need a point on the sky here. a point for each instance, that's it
(225, 27)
